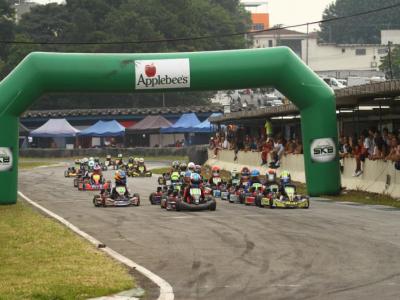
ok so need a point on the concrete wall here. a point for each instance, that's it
(195, 153)
(374, 179)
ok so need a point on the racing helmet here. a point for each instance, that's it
(175, 165)
(136, 159)
(215, 170)
(119, 155)
(183, 166)
(197, 169)
(91, 159)
(187, 177)
(255, 173)
(120, 177)
(108, 157)
(91, 163)
(191, 166)
(245, 171)
(85, 160)
(130, 160)
(195, 178)
(285, 177)
(141, 161)
(271, 176)
(97, 160)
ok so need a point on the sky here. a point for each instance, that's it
(292, 12)
(287, 12)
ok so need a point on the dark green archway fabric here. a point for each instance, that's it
(41, 73)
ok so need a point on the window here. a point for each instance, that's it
(270, 43)
(258, 26)
(361, 51)
(383, 51)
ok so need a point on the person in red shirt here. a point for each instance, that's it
(265, 150)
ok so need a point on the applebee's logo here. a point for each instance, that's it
(150, 70)
(162, 74)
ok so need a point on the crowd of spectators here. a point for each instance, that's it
(370, 144)
(270, 147)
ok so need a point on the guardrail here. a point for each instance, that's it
(378, 176)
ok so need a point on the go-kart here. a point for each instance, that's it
(269, 192)
(71, 172)
(130, 169)
(234, 194)
(122, 200)
(255, 191)
(141, 172)
(168, 199)
(118, 164)
(95, 183)
(195, 201)
(289, 199)
(215, 184)
(108, 164)
(224, 192)
(80, 177)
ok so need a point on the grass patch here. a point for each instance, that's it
(33, 164)
(41, 259)
(160, 171)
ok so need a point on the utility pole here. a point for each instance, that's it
(163, 99)
(390, 60)
(308, 34)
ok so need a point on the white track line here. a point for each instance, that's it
(166, 291)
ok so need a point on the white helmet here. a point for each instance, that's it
(141, 160)
(191, 166)
(91, 159)
(120, 155)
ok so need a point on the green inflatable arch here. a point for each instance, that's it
(41, 73)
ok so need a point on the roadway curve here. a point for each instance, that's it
(331, 251)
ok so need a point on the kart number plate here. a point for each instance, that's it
(121, 190)
(195, 192)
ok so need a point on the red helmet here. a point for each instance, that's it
(215, 169)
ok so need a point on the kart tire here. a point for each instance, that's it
(271, 204)
(137, 196)
(241, 198)
(178, 205)
(95, 202)
(66, 173)
(75, 182)
(308, 204)
(257, 201)
(213, 206)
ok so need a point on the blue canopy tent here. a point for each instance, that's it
(104, 129)
(205, 126)
(184, 124)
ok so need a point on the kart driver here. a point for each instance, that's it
(195, 182)
(254, 177)
(96, 171)
(119, 161)
(120, 180)
(245, 177)
(215, 176)
(141, 165)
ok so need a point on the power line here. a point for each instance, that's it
(206, 36)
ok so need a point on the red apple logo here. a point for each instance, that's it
(150, 70)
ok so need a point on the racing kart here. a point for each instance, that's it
(71, 172)
(96, 183)
(130, 169)
(122, 200)
(118, 164)
(195, 201)
(270, 192)
(216, 183)
(168, 199)
(289, 199)
(141, 172)
(255, 191)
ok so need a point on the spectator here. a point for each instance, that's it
(247, 143)
(360, 153)
(277, 153)
(253, 146)
(290, 147)
(394, 150)
(224, 143)
(299, 147)
(266, 149)
(378, 152)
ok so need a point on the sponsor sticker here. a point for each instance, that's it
(162, 74)
(323, 150)
(6, 159)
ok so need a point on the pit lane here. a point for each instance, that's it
(331, 251)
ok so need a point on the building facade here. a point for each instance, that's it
(259, 13)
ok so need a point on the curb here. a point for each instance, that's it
(166, 291)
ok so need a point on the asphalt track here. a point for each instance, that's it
(331, 251)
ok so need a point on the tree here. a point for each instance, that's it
(7, 26)
(131, 20)
(391, 64)
(364, 29)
